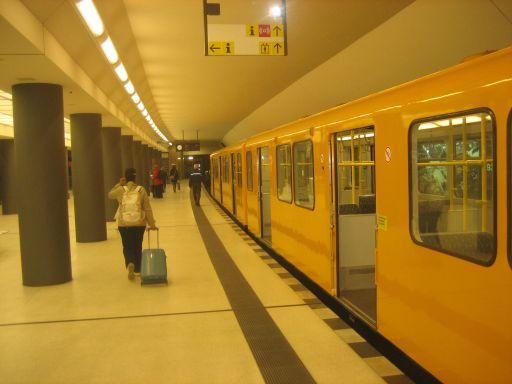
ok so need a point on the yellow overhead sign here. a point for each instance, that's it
(221, 48)
(264, 30)
(272, 48)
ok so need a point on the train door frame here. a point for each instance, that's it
(221, 174)
(336, 227)
(266, 235)
(233, 181)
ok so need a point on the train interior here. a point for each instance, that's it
(453, 204)
(264, 170)
(355, 174)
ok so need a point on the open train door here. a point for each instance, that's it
(355, 218)
(264, 193)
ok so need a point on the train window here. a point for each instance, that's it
(215, 169)
(284, 173)
(225, 169)
(453, 185)
(304, 187)
(356, 171)
(248, 158)
(239, 169)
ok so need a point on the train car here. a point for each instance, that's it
(398, 205)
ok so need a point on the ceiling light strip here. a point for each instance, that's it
(93, 20)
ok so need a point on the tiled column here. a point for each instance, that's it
(42, 203)
(88, 190)
(112, 168)
(8, 177)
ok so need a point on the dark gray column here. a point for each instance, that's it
(8, 177)
(138, 162)
(87, 171)
(112, 168)
(145, 157)
(126, 152)
(42, 203)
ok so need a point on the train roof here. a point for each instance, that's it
(413, 91)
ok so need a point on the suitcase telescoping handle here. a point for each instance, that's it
(157, 237)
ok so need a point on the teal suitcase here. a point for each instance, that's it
(153, 267)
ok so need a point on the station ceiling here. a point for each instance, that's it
(162, 45)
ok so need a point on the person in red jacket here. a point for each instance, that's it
(157, 183)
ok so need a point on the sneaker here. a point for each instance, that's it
(131, 273)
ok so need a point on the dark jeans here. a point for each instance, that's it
(158, 191)
(132, 245)
(196, 190)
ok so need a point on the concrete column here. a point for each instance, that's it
(126, 152)
(88, 190)
(112, 168)
(8, 177)
(42, 202)
(138, 163)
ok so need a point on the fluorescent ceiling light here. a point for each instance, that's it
(110, 51)
(91, 17)
(428, 126)
(148, 118)
(140, 106)
(121, 72)
(136, 98)
(129, 87)
(145, 112)
(473, 119)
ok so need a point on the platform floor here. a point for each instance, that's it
(230, 314)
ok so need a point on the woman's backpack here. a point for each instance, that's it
(130, 208)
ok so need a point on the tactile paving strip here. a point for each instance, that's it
(382, 366)
(276, 359)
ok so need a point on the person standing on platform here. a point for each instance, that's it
(194, 182)
(175, 176)
(156, 182)
(133, 214)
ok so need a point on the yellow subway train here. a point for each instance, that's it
(398, 206)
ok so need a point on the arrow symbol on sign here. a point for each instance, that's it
(277, 46)
(213, 48)
(277, 29)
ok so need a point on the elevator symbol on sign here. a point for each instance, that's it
(265, 48)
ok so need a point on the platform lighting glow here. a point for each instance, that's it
(140, 106)
(121, 72)
(129, 87)
(91, 16)
(110, 51)
(5, 95)
(136, 98)
(275, 11)
(191, 157)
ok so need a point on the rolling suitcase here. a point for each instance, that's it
(153, 268)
